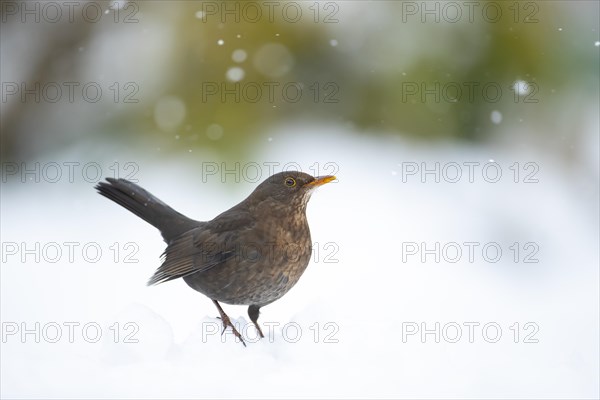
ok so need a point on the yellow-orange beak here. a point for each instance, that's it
(321, 180)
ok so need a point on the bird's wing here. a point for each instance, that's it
(203, 248)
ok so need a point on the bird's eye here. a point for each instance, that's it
(290, 182)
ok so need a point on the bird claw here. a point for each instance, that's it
(259, 330)
(227, 323)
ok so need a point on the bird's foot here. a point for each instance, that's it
(227, 323)
(253, 312)
(258, 329)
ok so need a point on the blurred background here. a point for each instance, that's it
(188, 97)
(220, 75)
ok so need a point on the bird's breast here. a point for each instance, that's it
(269, 260)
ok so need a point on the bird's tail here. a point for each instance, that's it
(146, 206)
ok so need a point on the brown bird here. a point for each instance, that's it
(251, 254)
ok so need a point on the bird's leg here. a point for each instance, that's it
(253, 314)
(227, 322)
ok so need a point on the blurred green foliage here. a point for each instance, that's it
(374, 66)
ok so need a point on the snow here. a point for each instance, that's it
(273, 60)
(214, 131)
(235, 74)
(346, 330)
(169, 113)
(239, 55)
(521, 87)
(496, 117)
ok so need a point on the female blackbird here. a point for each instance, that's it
(251, 254)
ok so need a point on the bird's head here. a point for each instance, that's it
(289, 188)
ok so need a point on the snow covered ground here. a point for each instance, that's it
(375, 315)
